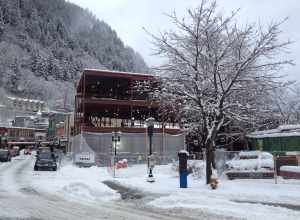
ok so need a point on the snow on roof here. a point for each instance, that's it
(289, 127)
(281, 131)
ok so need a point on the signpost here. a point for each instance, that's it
(151, 161)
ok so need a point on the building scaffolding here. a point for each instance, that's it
(107, 102)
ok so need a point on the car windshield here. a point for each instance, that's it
(3, 152)
(45, 156)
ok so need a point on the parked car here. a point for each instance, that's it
(45, 161)
(4, 155)
(251, 160)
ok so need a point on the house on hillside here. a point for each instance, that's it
(107, 102)
(284, 138)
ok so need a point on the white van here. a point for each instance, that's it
(85, 159)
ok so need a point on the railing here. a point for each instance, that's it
(125, 96)
(127, 123)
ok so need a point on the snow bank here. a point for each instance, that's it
(295, 169)
(84, 184)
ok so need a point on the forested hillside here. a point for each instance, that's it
(44, 44)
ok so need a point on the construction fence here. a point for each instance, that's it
(132, 146)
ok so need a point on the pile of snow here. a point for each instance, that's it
(251, 161)
(76, 183)
(294, 169)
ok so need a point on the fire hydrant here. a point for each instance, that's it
(214, 181)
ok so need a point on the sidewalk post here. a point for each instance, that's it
(183, 172)
(275, 168)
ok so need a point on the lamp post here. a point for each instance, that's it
(116, 138)
(150, 130)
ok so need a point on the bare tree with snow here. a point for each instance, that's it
(217, 71)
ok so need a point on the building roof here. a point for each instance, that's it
(281, 131)
(116, 72)
(21, 128)
(113, 74)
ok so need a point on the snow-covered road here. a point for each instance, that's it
(20, 198)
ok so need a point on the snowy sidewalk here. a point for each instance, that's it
(250, 199)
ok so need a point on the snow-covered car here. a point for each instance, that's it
(251, 160)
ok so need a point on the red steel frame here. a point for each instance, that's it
(81, 99)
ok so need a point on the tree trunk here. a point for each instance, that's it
(209, 161)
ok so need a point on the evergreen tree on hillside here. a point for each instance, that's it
(2, 24)
(15, 76)
(52, 41)
(32, 25)
(15, 18)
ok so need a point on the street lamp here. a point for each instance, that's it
(116, 138)
(150, 130)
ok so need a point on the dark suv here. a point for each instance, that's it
(5, 155)
(45, 161)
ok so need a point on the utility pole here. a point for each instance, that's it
(116, 138)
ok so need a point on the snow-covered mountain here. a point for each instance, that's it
(44, 44)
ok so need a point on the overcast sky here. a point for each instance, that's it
(128, 17)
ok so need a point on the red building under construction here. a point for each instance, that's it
(109, 101)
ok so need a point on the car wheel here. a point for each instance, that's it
(54, 169)
(36, 169)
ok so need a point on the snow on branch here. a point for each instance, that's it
(219, 70)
